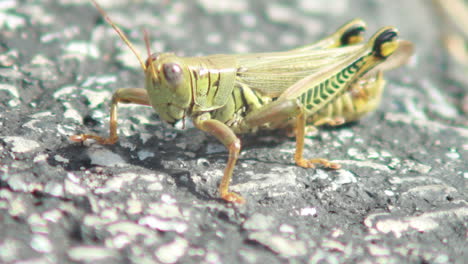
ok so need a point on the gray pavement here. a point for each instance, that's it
(401, 196)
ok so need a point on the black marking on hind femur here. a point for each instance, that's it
(318, 91)
(329, 90)
(345, 73)
(323, 94)
(315, 92)
(350, 70)
(303, 98)
(335, 85)
(386, 36)
(309, 95)
(338, 78)
(350, 33)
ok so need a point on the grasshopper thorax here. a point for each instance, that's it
(168, 85)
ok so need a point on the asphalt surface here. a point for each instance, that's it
(401, 196)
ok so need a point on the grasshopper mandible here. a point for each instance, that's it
(335, 80)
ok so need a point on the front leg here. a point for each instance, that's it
(224, 134)
(279, 112)
(123, 95)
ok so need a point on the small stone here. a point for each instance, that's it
(285, 228)
(11, 21)
(144, 154)
(163, 225)
(283, 246)
(308, 211)
(83, 49)
(115, 183)
(134, 206)
(53, 215)
(74, 188)
(345, 177)
(96, 98)
(259, 221)
(104, 157)
(214, 6)
(91, 253)
(129, 228)
(61, 159)
(378, 251)
(41, 243)
(164, 210)
(54, 189)
(334, 245)
(10, 250)
(20, 144)
(171, 252)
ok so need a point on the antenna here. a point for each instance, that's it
(120, 33)
(148, 50)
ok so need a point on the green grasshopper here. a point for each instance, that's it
(336, 80)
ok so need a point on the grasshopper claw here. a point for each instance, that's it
(233, 198)
(100, 140)
(334, 166)
(311, 163)
(77, 138)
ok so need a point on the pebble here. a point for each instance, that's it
(278, 244)
(172, 252)
(21, 144)
(259, 221)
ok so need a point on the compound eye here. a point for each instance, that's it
(172, 73)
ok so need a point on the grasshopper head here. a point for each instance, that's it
(167, 78)
(168, 85)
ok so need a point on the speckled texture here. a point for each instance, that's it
(400, 198)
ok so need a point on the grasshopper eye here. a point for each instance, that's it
(172, 73)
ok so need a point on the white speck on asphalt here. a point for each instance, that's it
(41, 243)
(74, 188)
(115, 183)
(308, 211)
(104, 157)
(21, 144)
(259, 222)
(83, 49)
(283, 246)
(171, 252)
(91, 253)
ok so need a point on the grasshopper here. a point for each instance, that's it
(335, 80)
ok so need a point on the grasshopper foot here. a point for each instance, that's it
(233, 198)
(100, 140)
(310, 163)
